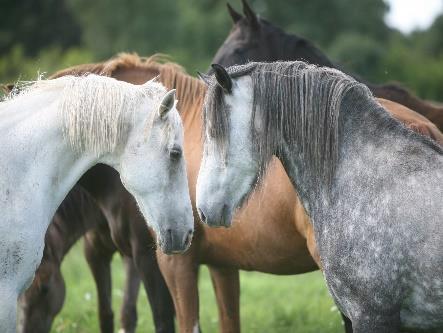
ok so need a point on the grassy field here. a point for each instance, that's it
(269, 303)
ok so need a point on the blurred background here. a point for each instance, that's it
(381, 40)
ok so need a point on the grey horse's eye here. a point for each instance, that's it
(175, 153)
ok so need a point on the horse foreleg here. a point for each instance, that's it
(181, 275)
(158, 294)
(226, 282)
(99, 261)
(128, 313)
(8, 308)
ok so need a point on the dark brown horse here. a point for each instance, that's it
(276, 216)
(253, 38)
(44, 298)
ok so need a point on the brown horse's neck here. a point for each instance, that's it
(76, 215)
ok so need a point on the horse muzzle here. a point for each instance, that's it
(173, 241)
(216, 216)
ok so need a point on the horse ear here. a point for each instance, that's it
(167, 103)
(236, 16)
(204, 77)
(251, 17)
(222, 77)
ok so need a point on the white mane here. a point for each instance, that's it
(95, 108)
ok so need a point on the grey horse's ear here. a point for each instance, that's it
(236, 16)
(167, 103)
(204, 77)
(251, 17)
(222, 77)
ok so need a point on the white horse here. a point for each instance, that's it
(54, 131)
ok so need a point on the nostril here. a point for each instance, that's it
(202, 215)
(169, 236)
(188, 238)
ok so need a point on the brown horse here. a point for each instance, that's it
(274, 217)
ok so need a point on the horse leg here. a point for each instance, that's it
(8, 308)
(99, 261)
(181, 275)
(226, 282)
(159, 297)
(128, 314)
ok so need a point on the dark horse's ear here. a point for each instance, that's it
(251, 17)
(234, 15)
(222, 77)
(204, 77)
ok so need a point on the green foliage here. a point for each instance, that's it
(324, 21)
(414, 69)
(360, 53)
(15, 65)
(36, 25)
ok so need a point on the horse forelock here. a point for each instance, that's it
(96, 110)
(296, 102)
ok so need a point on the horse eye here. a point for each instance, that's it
(175, 153)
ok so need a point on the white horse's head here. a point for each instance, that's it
(152, 168)
(230, 167)
(139, 133)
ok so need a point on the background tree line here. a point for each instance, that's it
(47, 35)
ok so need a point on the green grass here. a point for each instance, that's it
(269, 303)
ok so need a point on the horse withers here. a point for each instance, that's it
(55, 130)
(371, 187)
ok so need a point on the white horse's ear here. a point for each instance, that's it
(167, 103)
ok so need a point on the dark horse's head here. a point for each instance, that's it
(255, 39)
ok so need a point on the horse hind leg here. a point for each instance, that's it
(128, 313)
(99, 261)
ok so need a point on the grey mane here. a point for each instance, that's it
(294, 101)
(298, 103)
